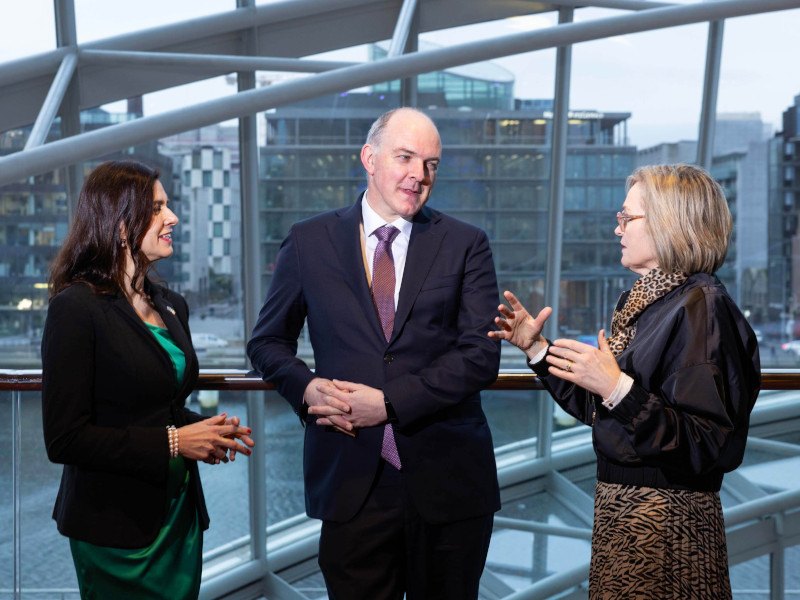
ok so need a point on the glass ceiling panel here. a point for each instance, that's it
(533, 72)
(759, 61)
(98, 19)
(657, 80)
(26, 28)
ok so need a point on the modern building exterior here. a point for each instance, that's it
(735, 130)
(208, 253)
(740, 165)
(34, 214)
(494, 173)
(211, 218)
(786, 267)
(684, 151)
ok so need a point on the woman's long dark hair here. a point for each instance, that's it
(94, 252)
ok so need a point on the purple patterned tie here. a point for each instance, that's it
(383, 282)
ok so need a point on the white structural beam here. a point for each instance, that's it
(708, 111)
(212, 63)
(403, 27)
(52, 103)
(289, 29)
(95, 143)
(615, 4)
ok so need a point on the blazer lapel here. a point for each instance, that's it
(426, 238)
(176, 329)
(121, 304)
(345, 239)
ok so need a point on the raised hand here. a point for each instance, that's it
(519, 328)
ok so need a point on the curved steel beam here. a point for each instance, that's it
(288, 29)
(402, 29)
(52, 103)
(95, 143)
(615, 4)
(209, 62)
(708, 112)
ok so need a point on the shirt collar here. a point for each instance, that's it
(373, 220)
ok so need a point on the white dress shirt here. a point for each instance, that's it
(373, 221)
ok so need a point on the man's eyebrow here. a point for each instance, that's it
(401, 150)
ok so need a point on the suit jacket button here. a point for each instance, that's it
(388, 358)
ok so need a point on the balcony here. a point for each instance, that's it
(261, 543)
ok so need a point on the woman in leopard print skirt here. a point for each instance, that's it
(668, 395)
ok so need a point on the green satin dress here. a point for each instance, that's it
(171, 566)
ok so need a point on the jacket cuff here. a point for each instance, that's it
(541, 367)
(631, 405)
(624, 384)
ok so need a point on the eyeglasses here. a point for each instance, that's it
(623, 218)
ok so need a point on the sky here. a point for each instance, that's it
(656, 76)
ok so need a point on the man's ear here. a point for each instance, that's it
(368, 158)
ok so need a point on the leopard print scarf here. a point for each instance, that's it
(644, 292)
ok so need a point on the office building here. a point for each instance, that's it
(494, 173)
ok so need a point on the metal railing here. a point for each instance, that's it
(20, 381)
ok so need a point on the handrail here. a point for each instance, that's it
(284, 550)
(243, 381)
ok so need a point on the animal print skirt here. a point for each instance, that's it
(656, 544)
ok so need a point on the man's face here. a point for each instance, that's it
(401, 169)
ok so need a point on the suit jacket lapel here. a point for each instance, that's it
(345, 239)
(426, 238)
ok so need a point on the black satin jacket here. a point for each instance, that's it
(696, 371)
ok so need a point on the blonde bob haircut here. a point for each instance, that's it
(687, 217)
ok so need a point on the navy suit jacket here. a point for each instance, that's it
(432, 369)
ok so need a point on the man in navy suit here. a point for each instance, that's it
(398, 457)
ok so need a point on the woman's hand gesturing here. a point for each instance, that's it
(519, 328)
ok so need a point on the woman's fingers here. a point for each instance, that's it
(216, 419)
(513, 300)
(210, 440)
(234, 443)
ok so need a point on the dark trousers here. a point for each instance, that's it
(388, 550)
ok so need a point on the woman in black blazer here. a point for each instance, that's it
(118, 364)
(668, 395)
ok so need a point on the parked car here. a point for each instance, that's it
(793, 346)
(203, 341)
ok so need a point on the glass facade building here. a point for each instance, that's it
(494, 174)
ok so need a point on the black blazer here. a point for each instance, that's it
(109, 390)
(696, 370)
(432, 369)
